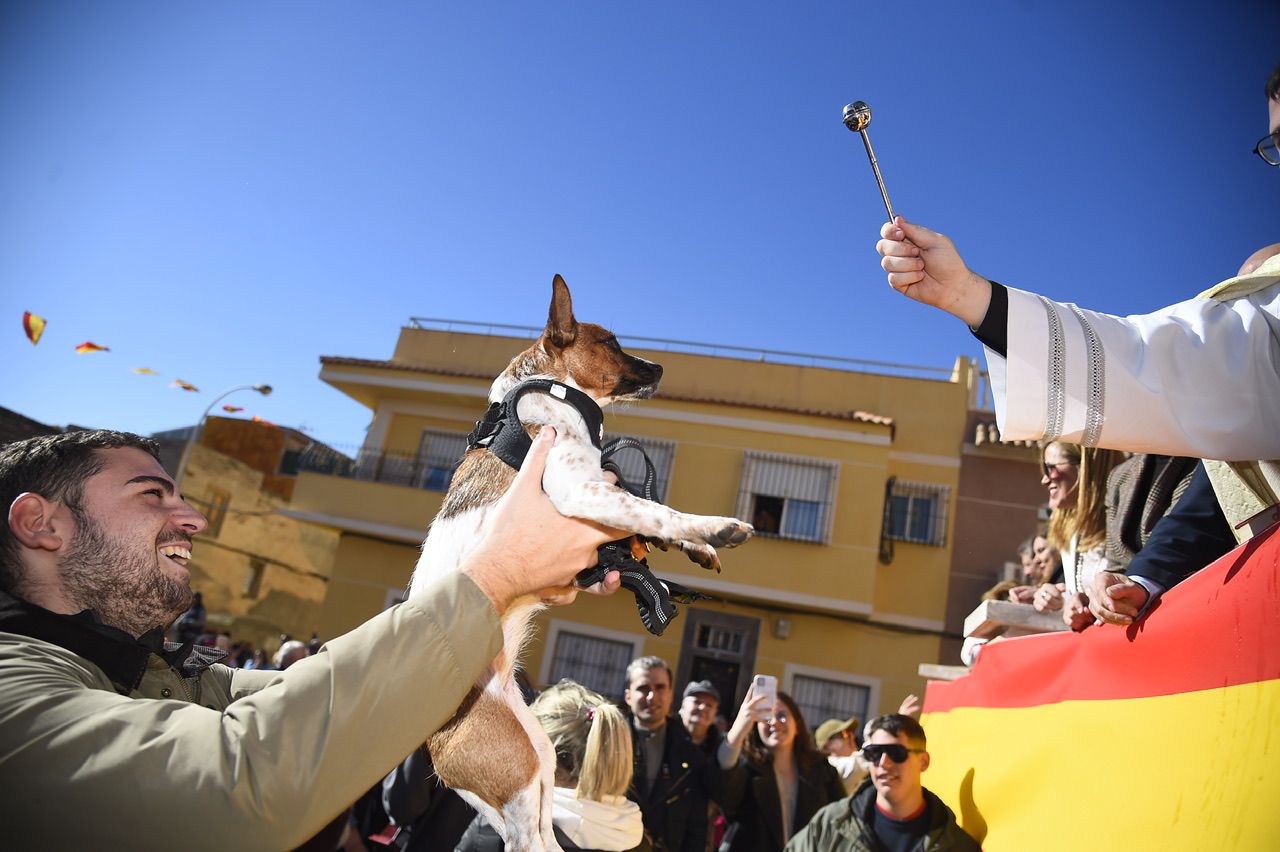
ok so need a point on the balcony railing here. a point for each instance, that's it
(371, 465)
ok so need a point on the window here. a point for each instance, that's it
(631, 463)
(214, 509)
(597, 660)
(917, 513)
(439, 455)
(253, 578)
(787, 496)
(822, 698)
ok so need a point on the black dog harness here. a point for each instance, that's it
(502, 433)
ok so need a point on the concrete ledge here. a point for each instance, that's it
(1003, 618)
(934, 671)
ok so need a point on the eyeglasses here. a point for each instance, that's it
(1268, 148)
(897, 752)
(1049, 468)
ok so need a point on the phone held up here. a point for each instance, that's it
(767, 685)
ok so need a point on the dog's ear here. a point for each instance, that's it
(562, 328)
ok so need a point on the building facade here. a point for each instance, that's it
(849, 476)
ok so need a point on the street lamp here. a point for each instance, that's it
(194, 437)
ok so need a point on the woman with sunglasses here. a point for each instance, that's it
(775, 779)
(1076, 478)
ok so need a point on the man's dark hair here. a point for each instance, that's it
(898, 723)
(1273, 85)
(55, 467)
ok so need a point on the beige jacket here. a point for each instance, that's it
(260, 760)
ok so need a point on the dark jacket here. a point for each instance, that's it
(845, 826)
(675, 809)
(753, 805)
(481, 837)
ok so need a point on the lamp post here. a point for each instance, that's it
(194, 437)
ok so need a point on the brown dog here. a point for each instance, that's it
(493, 751)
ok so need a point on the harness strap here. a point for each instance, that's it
(502, 432)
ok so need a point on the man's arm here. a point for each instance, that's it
(1193, 534)
(1198, 378)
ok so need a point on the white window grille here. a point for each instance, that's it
(917, 513)
(661, 453)
(593, 657)
(788, 496)
(831, 697)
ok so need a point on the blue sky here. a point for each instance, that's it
(223, 192)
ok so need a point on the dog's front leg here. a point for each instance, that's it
(574, 484)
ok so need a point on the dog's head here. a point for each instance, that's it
(582, 355)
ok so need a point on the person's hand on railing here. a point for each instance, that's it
(1075, 611)
(1115, 598)
(1049, 597)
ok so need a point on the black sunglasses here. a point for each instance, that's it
(897, 752)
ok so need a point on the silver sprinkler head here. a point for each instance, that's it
(857, 116)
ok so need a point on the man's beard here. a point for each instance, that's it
(127, 589)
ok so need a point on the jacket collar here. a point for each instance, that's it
(122, 658)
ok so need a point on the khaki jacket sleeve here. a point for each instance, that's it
(87, 768)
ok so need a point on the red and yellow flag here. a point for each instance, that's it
(232, 409)
(257, 419)
(33, 326)
(1161, 735)
(146, 371)
(89, 346)
(186, 386)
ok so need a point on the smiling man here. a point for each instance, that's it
(153, 745)
(891, 810)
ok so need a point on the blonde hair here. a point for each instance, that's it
(1087, 519)
(591, 737)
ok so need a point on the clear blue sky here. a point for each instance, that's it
(223, 192)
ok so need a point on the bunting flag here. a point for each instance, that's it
(33, 326)
(146, 371)
(1160, 735)
(186, 386)
(256, 419)
(88, 346)
(232, 409)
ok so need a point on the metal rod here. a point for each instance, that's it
(875, 167)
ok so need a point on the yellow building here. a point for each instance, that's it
(849, 477)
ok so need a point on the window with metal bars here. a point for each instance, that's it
(787, 496)
(632, 465)
(917, 513)
(439, 453)
(595, 662)
(820, 699)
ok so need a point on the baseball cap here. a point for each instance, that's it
(833, 727)
(702, 686)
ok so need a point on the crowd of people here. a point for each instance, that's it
(122, 740)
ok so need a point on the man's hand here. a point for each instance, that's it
(531, 548)
(924, 265)
(910, 706)
(1049, 597)
(1115, 598)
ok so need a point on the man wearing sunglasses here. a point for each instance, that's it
(891, 810)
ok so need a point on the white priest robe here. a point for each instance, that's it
(1200, 378)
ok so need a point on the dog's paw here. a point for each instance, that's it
(729, 532)
(704, 554)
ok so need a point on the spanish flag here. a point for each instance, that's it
(33, 326)
(1161, 735)
(88, 346)
(186, 386)
(232, 409)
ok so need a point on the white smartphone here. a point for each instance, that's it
(767, 685)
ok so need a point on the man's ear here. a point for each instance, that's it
(31, 520)
(562, 328)
(924, 761)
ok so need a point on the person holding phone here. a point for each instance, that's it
(775, 779)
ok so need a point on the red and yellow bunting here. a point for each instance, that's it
(89, 346)
(186, 386)
(32, 326)
(1155, 736)
(146, 371)
(232, 409)
(256, 419)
